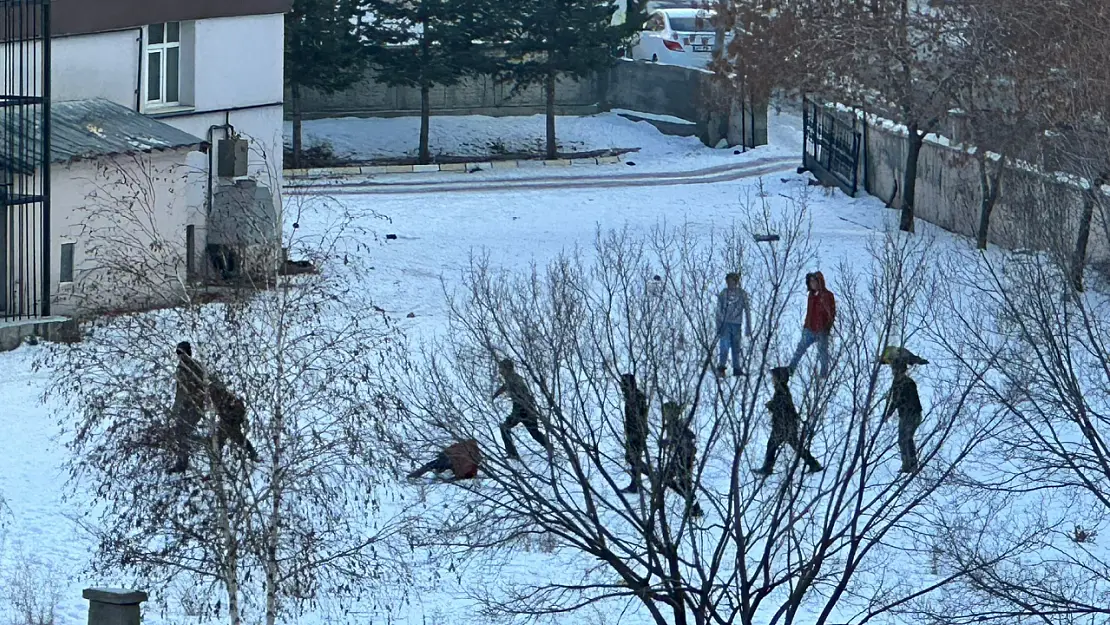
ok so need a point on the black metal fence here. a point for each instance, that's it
(831, 146)
(25, 245)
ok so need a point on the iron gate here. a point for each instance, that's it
(25, 159)
(831, 145)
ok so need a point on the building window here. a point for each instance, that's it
(163, 64)
(66, 266)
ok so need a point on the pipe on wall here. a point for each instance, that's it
(139, 76)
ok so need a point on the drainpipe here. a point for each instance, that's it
(139, 77)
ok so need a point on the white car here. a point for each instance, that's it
(677, 37)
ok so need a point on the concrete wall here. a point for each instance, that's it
(481, 95)
(1033, 211)
(232, 71)
(641, 86)
(112, 230)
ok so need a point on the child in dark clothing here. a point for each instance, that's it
(524, 408)
(635, 430)
(904, 399)
(679, 441)
(785, 425)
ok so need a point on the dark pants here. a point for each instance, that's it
(681, 482)
(439, 465)
(907, 427)
(233, 431)
(521, 415)
(634, 451)
(185, 418)
(790, 436)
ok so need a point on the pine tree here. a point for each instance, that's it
(322, 52)
(425, 43)
(575, 38)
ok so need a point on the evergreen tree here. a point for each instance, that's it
(425, 43)
(322, 52)
(574, 38)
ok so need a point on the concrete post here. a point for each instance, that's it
(113, 606)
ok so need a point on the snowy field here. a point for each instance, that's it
(366, 139)
(436, 234)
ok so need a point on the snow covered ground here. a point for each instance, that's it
(436, 233)
(365, 139)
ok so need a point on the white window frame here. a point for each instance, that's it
(161, 50)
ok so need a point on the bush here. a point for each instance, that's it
(32, 591)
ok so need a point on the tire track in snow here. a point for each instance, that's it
(725, 173)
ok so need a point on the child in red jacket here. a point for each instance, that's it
(820, 315)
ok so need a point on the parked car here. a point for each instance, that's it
(677, 37)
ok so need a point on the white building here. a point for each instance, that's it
(206, 67)
(199, 71)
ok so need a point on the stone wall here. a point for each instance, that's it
(682, 92)
(480, 95)
(1034, 211)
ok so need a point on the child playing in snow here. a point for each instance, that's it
(785, 425)
(820, 315)
(524, 408)
(733, 310)
(462, 459)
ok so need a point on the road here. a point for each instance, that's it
(710, 175)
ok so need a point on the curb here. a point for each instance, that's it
(328, 172)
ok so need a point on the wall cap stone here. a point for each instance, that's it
(115, 596)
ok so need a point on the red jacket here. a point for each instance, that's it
(821, 307)
(465, 458)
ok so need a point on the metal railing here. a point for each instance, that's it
(831, 145)
(25, 246)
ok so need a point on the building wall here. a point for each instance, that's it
(230, 66)
(232, 73)
(96, 66)
(115, 265)
(239, 62)
(1033, 211)
(682, 92)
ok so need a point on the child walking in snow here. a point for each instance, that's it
(733, 311)
(785, 425)
(905, 400)
(820, 316)
(635, 430)
(524, 408)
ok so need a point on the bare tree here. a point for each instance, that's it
(1045, 473)
(1054, 59)
(280, 505)
(706, 542)
(899, 59)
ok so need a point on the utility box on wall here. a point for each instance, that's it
(231, 158)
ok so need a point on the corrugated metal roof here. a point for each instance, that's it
(82, 129)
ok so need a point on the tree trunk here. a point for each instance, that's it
(229, 537)
(909, 183)
(425, 122)
(273, 531)
(990, 188)
(295, 92)
(1090, 202)
(277, 486)
(549, 91)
